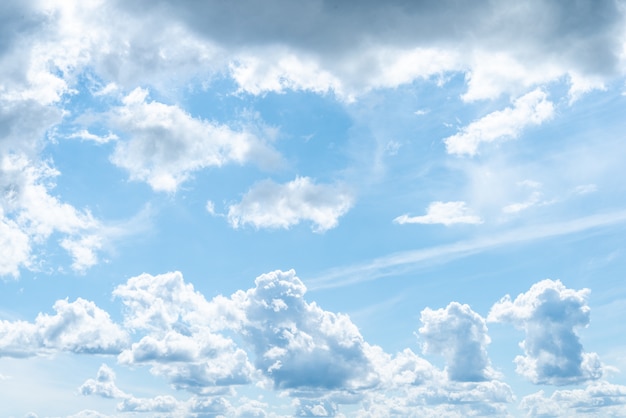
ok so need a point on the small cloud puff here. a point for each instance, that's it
(531, 109)
(271, 205)
(549, 313)
(446, 213)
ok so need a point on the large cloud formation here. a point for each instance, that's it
(271, 337)
(112, 53)
(549, 313)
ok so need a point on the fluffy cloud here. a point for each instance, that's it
(297, 344)
(30, 214)
(167, 144)
(446, 213)
(596, 399)
(180, 344)
(549, 313)
(78, 327)
(531, 109)
(460, 335)
(271, 205)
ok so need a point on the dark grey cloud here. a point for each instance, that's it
(583, 33)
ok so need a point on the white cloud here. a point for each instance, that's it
(84, 134)
(78, 327)
(181, 344)
(297, 344)
(14, 247)
(271, 205)
(531, 109)
(167, 144)
(585, 189)
(103, 385)
(549, 313)
(413, 259)
(446, 213)
(533, 199)
(596, 399)
(30, 215)
(460, 335)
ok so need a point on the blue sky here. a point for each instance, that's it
(273, 209)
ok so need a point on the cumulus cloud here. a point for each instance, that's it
(460, 335)
(549, 313)
(531, 109)
(446, 213)
(297, 344)
(180, 344)
(271, 205)
(596, 399)
(167, 144)
(78, 327)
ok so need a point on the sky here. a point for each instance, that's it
(313, 208)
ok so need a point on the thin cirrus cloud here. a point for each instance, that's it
(445, 213)
(271, 205)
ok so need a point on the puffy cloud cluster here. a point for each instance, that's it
(317, 357)
(460, 335)
(298, 345)
(270, 336)
(179, 344)
(549, 313)
(597, 399)
(78, 327)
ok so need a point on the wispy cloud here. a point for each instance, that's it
(446, 213)
(409, 260)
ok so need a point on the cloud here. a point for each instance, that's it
(78, 327)
(15, 247)
(281, 47)
(460, 335)
(30, 214)
(103, 385)
(271, 205)
(401, 261)
(167, 144)
(596, 399)
(446, 213)
(297, 344)
(549, 313)
(85, 135)
(181, 344)
(531, 109)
